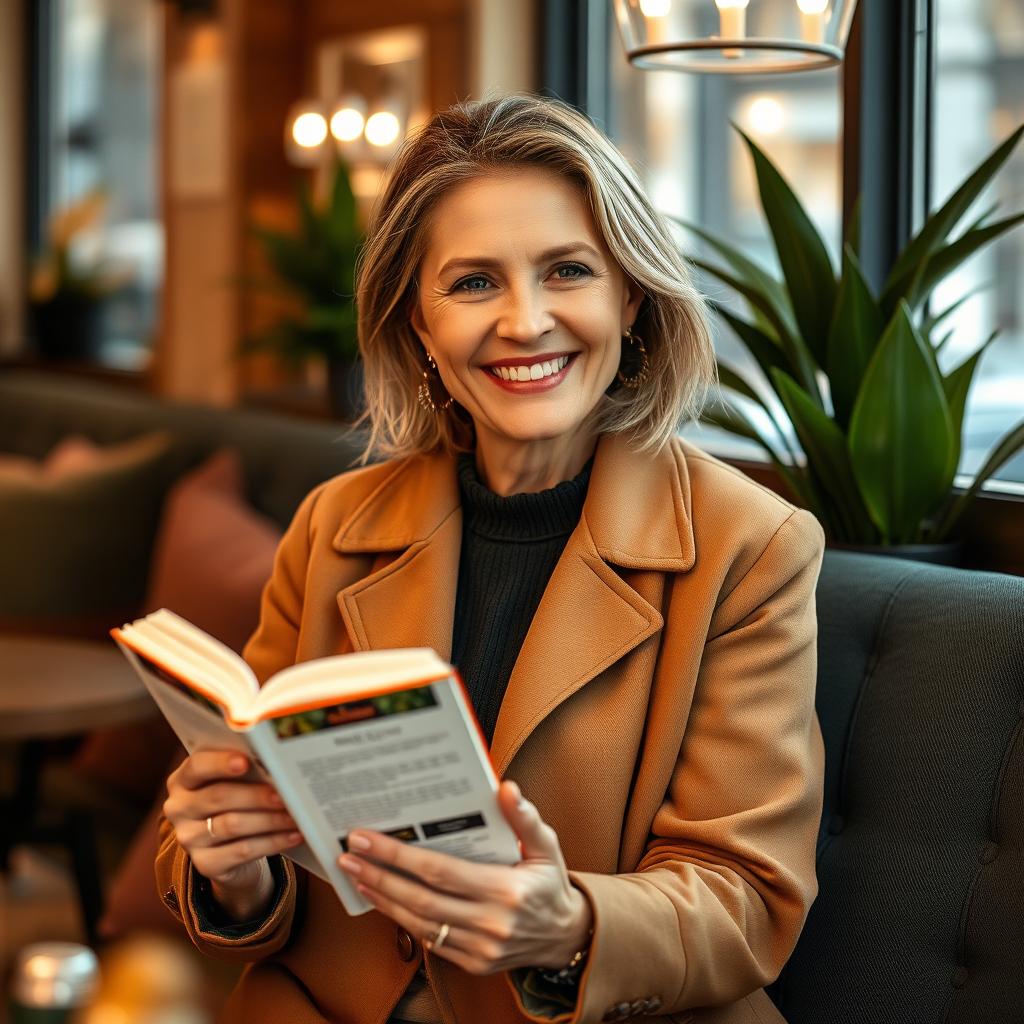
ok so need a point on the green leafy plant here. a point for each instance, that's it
(315, 265)
(857, 374)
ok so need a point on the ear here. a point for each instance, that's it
(633, 295)
(419, 324)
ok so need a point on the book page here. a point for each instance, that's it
(410, 764)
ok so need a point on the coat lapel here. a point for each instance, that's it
(636, 517)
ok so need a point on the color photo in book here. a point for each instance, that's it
(336, 715)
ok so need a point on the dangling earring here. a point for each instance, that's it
(426, 399)
(635, 380)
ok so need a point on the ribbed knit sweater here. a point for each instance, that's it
(509, 549)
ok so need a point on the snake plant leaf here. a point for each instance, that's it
(762, 347)
(825, 447)
(799, 360)
(901, 439)
(856, 328)
(729, 378)
(942, 222)
(1009, 445)
(957, 385)
(747, 270)
(943, 341)
(806, 266)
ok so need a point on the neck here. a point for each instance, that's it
(513, 467)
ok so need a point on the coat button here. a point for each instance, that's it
(653, 1004)
(406, 946)
(637, 1007)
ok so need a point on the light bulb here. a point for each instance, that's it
(382, 128)
(309, 130)
(655, 8)
(732, 16)
(812, 20)
(766, 115)
(347, 124)
(731, 5)
(812, 6)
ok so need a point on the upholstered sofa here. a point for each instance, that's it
(920, 914)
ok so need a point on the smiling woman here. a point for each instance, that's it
(633, 620)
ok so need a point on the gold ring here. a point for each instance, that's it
(436, 941)
(209, 826)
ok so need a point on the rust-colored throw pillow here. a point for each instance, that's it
(77, 532)
(213, 552)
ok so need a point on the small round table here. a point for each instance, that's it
(52, 687)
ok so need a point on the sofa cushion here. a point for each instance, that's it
(77, 540)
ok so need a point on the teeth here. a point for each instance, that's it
(536, 371)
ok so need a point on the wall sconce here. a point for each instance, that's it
(734, 36)
(305, 132)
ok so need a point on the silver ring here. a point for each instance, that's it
(209, 826)
(436, 941)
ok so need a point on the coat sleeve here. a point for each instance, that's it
(272, 647)
(716, 904)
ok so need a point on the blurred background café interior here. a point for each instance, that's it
(183, 189)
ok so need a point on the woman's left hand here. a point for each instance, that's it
(499, 917)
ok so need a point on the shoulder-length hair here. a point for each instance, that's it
(499, 134)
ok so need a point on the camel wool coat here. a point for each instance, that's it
(660, 716)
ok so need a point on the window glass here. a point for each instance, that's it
(675, 128)
(979, 101)
(99, 65)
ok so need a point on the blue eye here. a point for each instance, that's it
(468, 280)
(582, 270)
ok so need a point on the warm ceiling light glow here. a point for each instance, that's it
(382, 128)
(655, 8)
(766, 116)
(812, 6)
(309, 130)
(347, 124)
(736, 5)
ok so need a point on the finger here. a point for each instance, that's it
(438, 870)
(426, 903)
(225, 828)
(206, 766)
(220, 798)
(537, 838)
(214, 861)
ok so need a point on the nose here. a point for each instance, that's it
(524, 316)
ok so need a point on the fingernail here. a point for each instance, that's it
(350, 864)
(359, 842)
(294, 837)
(275, 799)
(237, 764)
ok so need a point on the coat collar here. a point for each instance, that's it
(636, 516)
(627, 508)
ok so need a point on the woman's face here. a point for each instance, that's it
(521, 305)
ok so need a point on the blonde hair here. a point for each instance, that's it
(495, 135)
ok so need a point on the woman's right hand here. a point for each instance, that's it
(249, 823)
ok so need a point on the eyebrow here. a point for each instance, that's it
(547, 254)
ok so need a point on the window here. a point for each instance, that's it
(676, 130)
(96, 75)
(979, 101)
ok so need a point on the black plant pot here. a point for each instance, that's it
(67, 327)
(345, 388)
(948, 553)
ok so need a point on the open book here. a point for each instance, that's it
(385, 740)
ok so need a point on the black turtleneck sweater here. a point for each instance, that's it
(509, 550)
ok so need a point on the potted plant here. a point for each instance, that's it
(879, 422)
(315, 265)
(66, 292)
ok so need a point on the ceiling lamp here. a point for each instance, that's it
(753, 37)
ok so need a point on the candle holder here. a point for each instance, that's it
(734, 36)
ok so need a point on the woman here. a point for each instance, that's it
(634, 621)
